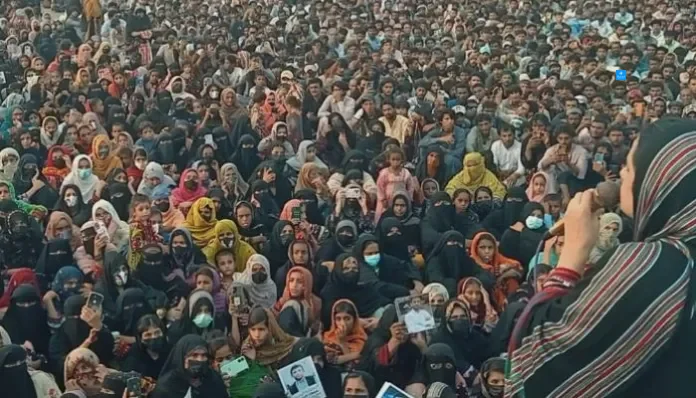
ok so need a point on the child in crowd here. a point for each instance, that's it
(142, 230)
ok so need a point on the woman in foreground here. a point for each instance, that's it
(630, 317)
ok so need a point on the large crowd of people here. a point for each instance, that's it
(262, 180)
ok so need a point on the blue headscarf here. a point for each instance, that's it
(65, 274)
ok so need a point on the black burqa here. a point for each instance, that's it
(246, 157)
(14, 373)
(366, 298)
(499, 220)
(276, 249)
(438, 219)
(26, 319)
(175, 380)
(410, 222)
(469, 344)
(73, 332)
(131, 305)
(392, 240)
(56, 254)
(117, 193)
(402, 365)
(22, 181)
(81, 212)
(392, 277)
(343, 240)
(449, 262)
(106, 285)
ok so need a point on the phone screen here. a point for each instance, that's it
(599, 157)
(234, 367)
(296, 214)
(95, 301)
(133, 386)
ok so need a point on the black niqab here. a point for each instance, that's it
(14, 373)
(175, 380)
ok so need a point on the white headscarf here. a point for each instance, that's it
(241, 187)
(264, 294)
(88, 186)
(296, 162)
(7, 172)
(154, 170)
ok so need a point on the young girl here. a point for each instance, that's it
(472, 292)
(393, 179)
(142, 232)
(538, 187)
(224, 260)
(507, 272)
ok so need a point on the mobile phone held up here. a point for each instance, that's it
(95, 301)
(133, 387)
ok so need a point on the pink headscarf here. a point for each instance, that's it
(181, 194)
(530, 188)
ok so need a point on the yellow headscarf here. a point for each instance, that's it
(475, 175)
(242, 250)
(102, 167)
(202, 231)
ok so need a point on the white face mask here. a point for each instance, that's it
(71, 201)
(121, 278)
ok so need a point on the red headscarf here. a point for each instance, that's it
(55, 175)
(20, 276)
(182, 194)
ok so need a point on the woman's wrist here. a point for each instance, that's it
(573, 259)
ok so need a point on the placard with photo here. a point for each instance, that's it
(389, 390)
(301, 380)
(415, 312)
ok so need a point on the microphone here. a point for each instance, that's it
(606, 195)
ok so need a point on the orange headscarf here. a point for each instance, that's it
(101, 167)
(312, 301)
(498, 266)
(498, 263)
(354, 340)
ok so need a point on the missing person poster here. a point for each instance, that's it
(301, 380)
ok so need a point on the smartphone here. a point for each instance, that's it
(599, 158)
(133, 386)
(95, 301)
(353, 193)
(209, 139)
(238, 297)
(296, 214)
(233, 367)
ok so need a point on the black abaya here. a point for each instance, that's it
(175, 380)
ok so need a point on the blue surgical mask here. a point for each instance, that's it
(84, 173)
(533, 222)
(203, 320)
(372, 260)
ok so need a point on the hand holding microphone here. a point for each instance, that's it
(580, 225)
